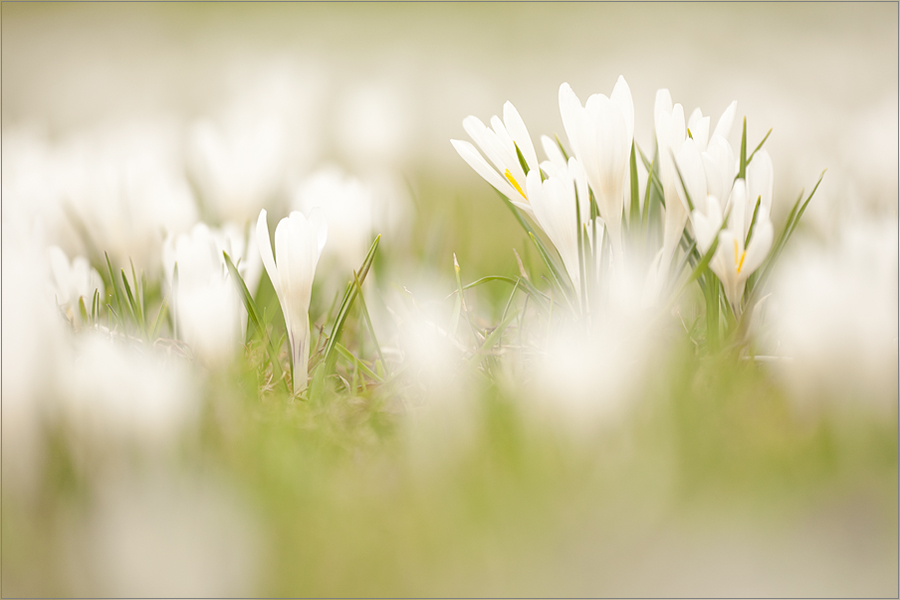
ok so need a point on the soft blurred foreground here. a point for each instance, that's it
(476, 442)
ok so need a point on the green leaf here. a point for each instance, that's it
(346, 304)
(253, 314)
(742, 171)
(635, 216)
(783, 238)
(117, 290)
(368, 319)
(462, 299)
(687, 194)
(562, 148)
(555, 271)
(522, 162)
(353, 359)
(760, 145)
(581, 237)
(157, 325)
(654, 177)
(83, 310)
(492, 339)
(752, 221)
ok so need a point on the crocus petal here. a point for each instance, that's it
(551, 149)
(265, 250)
(621, 97)
(474, 159)
(760, 243)
(723, 127)
(519, 133)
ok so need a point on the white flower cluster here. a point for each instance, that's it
(580, 194)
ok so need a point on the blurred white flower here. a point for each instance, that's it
(238, 163)
(736, 257)
(374, 123)
(208, 312)
(499, 145)
(834, 312)
(298, 245)
(119, 392)
(600, 134)
(124, 191)
(73, 281)
(349, 208)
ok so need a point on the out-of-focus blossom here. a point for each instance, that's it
(499, 145)
(115, 391)
(34, 340)
(348, 206)
(601, 133)
(238, 163)
(206, 306)
(736, 257)
(72, 282)
(374, 124)
(298, 245)
(833, 312)
(117, 188)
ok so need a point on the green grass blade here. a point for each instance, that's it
(635, 216)
(346, 305)
(253, 314)
(742, 171)
(759, 146)
(157, 325)
(687, 194)
(492, 339)
(368, 319)
(521, 158)
(354, 360)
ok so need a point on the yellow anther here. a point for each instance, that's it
(512, 180)
(739, 257)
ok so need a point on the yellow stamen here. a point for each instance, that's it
(739, 257)
(512, 180)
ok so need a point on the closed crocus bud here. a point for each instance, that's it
(298, 244)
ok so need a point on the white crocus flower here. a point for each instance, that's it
(671, 136)
(298, 244)
(499, 145)
(734, 261)
(73, 281)
(553, 201)
(705, 173)
(601, 133)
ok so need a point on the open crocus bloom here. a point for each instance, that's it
(601, 133)
(736, 257)
(499, 145)
(708, 157)
(298, 245)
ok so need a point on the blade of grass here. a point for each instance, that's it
(365, 311)
(760, 145)
(253, 314)
(635, 216)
